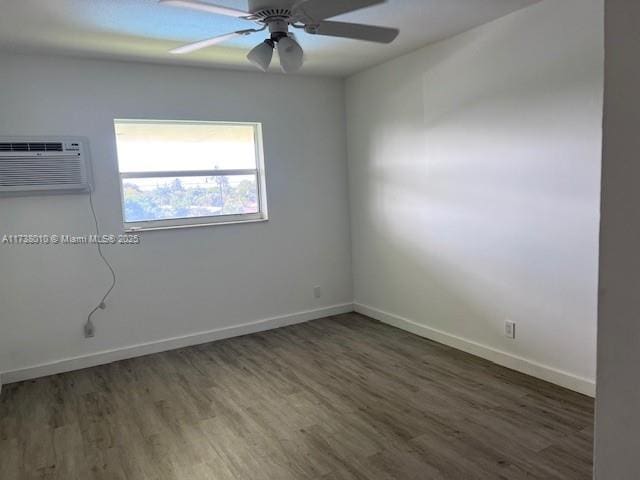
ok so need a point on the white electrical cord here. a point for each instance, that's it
(89, 329)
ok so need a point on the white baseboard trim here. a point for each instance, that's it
(514, 362)
(108, 356)
(529, 367)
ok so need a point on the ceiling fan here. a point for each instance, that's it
(277, 16)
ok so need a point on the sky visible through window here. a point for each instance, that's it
(147, 149)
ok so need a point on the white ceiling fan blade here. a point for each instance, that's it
(314, 11)
(355, 31)
(206, 7)
(192, 47)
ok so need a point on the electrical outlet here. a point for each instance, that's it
(317, 292)
(89, 330)
(510, 329)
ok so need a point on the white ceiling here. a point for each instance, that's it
(144, 30)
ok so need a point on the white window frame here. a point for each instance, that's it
(188, 222)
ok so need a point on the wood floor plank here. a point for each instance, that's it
(340, 398)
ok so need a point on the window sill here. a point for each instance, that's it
(153, 228)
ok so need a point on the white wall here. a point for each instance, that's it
(618, 401)
(176, 282)
(474, 180)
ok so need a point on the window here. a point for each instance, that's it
(178, 174)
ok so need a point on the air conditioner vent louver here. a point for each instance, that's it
(40, 167)
(40, 171)
(30, 147)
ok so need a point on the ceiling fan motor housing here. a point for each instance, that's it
(278, 27)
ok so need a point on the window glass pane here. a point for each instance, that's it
(156, 146)
(188, 197)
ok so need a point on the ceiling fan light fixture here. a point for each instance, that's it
(291, 55)
(261, 55)
(278, 16)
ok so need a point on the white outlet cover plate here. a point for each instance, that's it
(510, 329)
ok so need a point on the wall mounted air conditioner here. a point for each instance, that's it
(44, 165)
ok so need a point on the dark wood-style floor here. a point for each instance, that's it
(338, 398)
